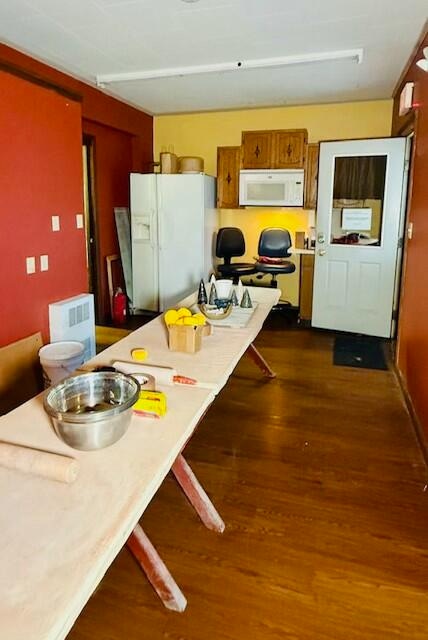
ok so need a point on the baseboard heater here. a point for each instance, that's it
(74, 319)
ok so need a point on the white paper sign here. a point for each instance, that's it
(356, 219)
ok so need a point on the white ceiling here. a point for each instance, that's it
(91, 37)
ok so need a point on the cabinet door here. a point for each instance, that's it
(257, 149)
(311, 176)
(228, 161)
(306, 286)
(290, 148)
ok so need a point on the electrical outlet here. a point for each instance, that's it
(31, 264)
(44, 263)
(79, 220)
(55, 223)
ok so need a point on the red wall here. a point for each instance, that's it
(412, 356)
(41, 177)
(96, 105)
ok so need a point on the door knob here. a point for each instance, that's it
(321, 238)
(321, 252)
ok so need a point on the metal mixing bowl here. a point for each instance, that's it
(92, 410)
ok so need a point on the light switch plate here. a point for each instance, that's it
(55, 223)
(31, 264)
(79, 220)
(44, 263)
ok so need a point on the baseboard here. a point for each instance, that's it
(419, 431)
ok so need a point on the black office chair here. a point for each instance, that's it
(274, 245)
(231, 244)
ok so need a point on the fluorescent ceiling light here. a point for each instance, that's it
(307, 58)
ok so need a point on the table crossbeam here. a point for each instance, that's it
(258, 359)
(156, 571)
(196, 495)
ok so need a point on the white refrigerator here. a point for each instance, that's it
(173, 227)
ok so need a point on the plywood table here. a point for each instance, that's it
(56, 540)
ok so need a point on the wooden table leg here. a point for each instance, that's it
(258, 359)
(156, 571)
(196, 495)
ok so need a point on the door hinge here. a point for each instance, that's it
(400, 243)
(395, 314)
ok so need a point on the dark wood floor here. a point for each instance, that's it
(323, 489)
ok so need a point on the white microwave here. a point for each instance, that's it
(271, 188)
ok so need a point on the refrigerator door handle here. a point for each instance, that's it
(160, 236)
(152, 229)
(159, 204)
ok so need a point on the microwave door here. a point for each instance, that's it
(266, 192)
(276, 188)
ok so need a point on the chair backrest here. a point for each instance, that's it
(230, 243)
(274, 243)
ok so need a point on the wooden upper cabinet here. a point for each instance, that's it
(257, 149)
(228, 163)
(277, 149)
(311, 176)
(290, 148)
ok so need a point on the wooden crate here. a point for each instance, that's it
(185, 338)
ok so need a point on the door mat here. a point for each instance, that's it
(364, 352)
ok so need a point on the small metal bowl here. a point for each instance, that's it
(92, 410)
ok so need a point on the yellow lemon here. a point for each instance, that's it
(171, 316)
(199, 317)
(183, 312)
(139, 354)
(193, 322)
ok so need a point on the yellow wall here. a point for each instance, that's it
(199, 134)
(252, 221)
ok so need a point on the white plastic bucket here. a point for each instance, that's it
(59, 359)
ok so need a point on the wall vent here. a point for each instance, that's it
(74, 319)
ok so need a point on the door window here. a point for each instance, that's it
(358, 200)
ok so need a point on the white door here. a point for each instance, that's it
(181, 236)
(144, 241)
(360, 186)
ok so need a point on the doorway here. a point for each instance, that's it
(359, 217)
(90, 222)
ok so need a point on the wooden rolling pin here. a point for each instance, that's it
(162, 375)
(41, 463)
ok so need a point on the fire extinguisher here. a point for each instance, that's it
(119, 307)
